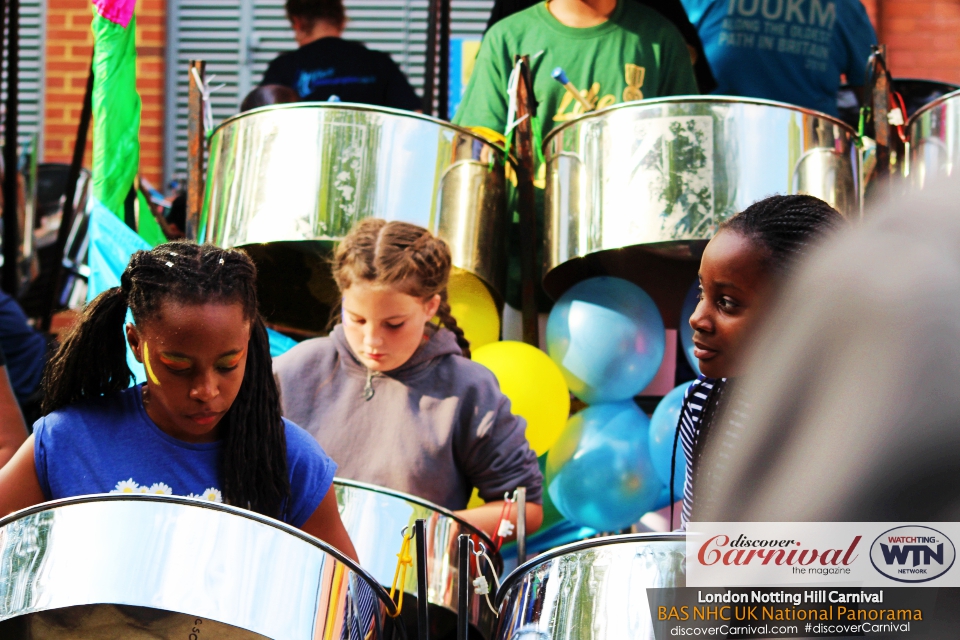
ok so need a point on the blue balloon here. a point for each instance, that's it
(663, 430)
(686, 331)
(607, 337)
(599, 473)
(663, 500)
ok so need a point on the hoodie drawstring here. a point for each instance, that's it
(368, 388)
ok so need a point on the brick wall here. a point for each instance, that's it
(922, 38)
(69, 45)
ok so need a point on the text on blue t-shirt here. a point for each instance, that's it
(787, 50)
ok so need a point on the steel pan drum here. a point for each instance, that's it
(590, 590)
(934, 138)
(915, 93)
(375, 517)
(662, 174)
(288, 181)
(163, 567)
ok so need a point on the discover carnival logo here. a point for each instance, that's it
(912, 554)
(744, 551)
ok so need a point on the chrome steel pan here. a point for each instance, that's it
(934, 139)
(662, 174)
(288, 181)
(375, 517)
(590, 590)
(117, 566)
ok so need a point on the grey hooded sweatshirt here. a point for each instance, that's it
(435, 427)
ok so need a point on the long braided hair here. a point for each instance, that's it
(787, 228)
(92, 360)
(400, 255)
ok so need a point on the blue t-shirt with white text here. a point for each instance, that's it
(792, 51)
(110, 445)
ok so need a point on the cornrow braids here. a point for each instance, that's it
(402, 256)
(786, 226)
(92, 360)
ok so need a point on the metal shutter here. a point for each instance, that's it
(238, 41)
(207, 30)
(30, 80)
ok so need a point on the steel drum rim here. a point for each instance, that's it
(420, 501)
(514, 576)
(933, 104)
(356, 106)
(706, 99)
(213, 506)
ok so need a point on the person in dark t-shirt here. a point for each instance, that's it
(326, 65)
(268, 94)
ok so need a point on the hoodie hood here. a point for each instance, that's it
(441, 343)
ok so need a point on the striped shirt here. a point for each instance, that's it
(694, 401)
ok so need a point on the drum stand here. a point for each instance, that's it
(463, 588)
(526, 109)
(423, 621)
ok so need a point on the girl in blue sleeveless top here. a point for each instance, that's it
(207, 422)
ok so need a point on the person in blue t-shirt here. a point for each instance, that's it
(25, 350)
(787, 50)
(206, 424)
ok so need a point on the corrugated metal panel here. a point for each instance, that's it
(30, 80)
(239, 40)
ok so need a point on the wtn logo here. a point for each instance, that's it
(912, 554)
(899, 554)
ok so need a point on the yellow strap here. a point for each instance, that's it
(404, 560)
(489, 135)
(336, 584)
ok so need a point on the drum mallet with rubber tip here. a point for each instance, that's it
(562, 78)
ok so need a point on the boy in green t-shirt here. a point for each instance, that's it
(613, 51)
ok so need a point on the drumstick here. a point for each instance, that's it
(561, 77)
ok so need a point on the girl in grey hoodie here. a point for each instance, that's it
(394, 399)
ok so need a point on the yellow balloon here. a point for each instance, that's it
(535, 386)
(475, 500)
(474, 309)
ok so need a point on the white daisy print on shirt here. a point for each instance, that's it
(211, 494)
(160, 489)
(126, 486)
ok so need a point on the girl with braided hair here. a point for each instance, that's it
(393, 397)
(207, 422)
(741, 270)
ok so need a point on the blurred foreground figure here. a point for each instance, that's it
(854, 410)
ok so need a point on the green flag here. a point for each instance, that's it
(116, 119)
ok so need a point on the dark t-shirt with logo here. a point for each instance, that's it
(343, 68)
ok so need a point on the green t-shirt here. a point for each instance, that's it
(635, 54)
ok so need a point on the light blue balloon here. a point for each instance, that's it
(663, 500)
(663, 430)
(686, 331)
(607, 337)
(599, 472)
